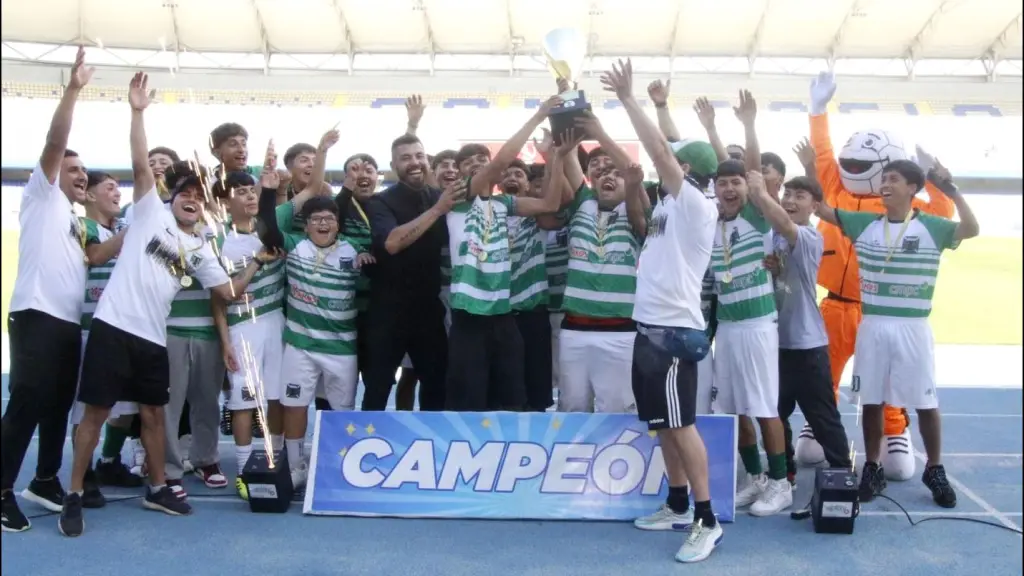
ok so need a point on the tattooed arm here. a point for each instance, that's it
(392, 238)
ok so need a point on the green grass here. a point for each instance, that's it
(978, 299)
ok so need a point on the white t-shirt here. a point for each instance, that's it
(51, 261)
(148, 271)
(675, 256)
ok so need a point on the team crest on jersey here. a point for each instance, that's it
(346, 264)
(562, 238)
(734, 238)
(292, 391)
(911, 244)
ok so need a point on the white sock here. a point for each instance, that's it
(294, 448)
(276, 442)
(242, 454)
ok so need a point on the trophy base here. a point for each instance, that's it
(563, 118)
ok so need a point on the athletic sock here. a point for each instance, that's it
(777, 466)
(242, 454)
(153, 489)
(113, 442)
(276, 442)
(294, 450)
(702, 512)
(678, 499)
(751, 459)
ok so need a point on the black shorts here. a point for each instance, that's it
(665, 387)
(121, 367)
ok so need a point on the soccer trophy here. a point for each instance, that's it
(565, 49)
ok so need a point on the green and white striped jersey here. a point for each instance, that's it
(529, 284)
(191, 315)
(265, 292)
(357, 231)
(744, 286)
(898, 272)
(603, 253)
(321, 293)
(96, 281)
(556, 257)
(481, 264)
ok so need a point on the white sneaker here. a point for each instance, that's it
(138, 466)
(752, 491)
(700, 542)
(185, 444)
(299, 474)
(776, 497)
(664, 518)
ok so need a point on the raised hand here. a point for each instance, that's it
(588, 125)
(568, 142)
(548, 105)
(139, 94)
(634, 175)
(80, 73)
(270, 178)
(619, 79)
(755, 183)
(823, 88)
(746, 112)
(545, 145)
(270, 158)
(804, 152)
(414, 108)
(329, 139)
(450, 195)
(658, 92)
(705, 112)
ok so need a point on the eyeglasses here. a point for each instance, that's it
(323, 219)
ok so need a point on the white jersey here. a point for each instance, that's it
(156, 255)
(675, 256)
(51, 252)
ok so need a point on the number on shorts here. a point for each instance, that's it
(855, 385)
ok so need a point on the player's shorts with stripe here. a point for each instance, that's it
(258, 350)
(706, 384)
(665, 387)
(894, 363)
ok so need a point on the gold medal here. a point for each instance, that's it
(891, 247)
(727, 277)
(186, 281)
(726, 256)
(482, 256)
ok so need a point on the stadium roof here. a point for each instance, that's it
(503, 37)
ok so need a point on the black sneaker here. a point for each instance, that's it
(934, 478)
(872, 481)
(91, 495)
(116, 474)
(71, 522)
(165, 501)
(11, 517)
(47, 493)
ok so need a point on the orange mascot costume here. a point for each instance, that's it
(852, 183)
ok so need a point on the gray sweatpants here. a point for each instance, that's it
(197, 375)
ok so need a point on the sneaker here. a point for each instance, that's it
(749, 494)
(166, 501)
(176, 488)
(115, 473)
(138, 460)
(665, 518)
(700, 542)
(185, 444)
(71, 522)
(212, 476)
(934, 478)
(243, 491)
(91, 495)
(777, 496)
(299, 474)
(872, 481)
(11, 518)
(47, 493)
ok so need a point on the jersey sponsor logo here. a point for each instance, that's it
(303, 296)
(337, 303)
(579, 253)
(906, 290)
(868, 287)
(618, 258)
(292, 391)
(911, 244)
(744, 281)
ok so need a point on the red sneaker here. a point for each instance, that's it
(212, 476)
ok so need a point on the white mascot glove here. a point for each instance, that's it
(925, 160)
(823, 88)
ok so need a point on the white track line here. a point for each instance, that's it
(984, 505)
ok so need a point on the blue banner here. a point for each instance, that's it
(502, 465)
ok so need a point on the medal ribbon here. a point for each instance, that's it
(726, 250)
(361, 213)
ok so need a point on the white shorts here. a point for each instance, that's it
(258, 350)
(78, 409)
(596, 372)
(705, 384)
(746, 368)
(302, 369)
(556, 330)
(894, 363)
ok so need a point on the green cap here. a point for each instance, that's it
(699, 155)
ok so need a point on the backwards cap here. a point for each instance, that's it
(699, 155)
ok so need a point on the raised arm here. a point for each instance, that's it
(746, 112)
(968, 226)
(827, 213)
(414, 108)
(706, 114)
(658, 94)
(317, 186)
(620, 81)
(139, 97)
(490, 174)
(60, 126)
(590, 125)
(637, 202)
(770, 208)
(552, 186)
(100, 253)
